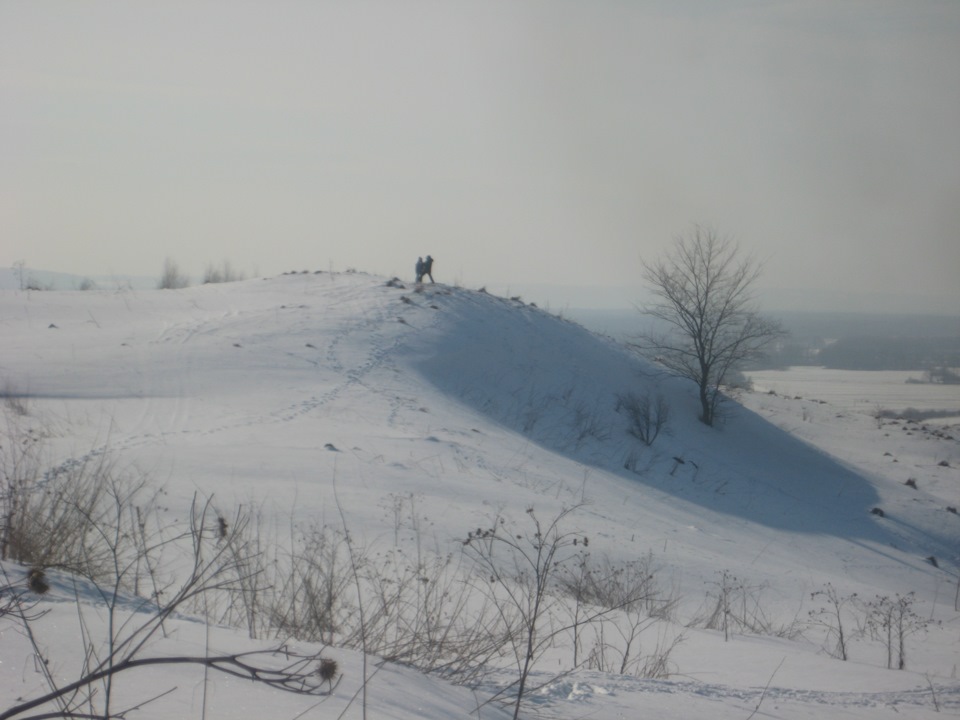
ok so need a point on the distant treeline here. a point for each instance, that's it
(880, 353)
(914, 414)
(860, 352)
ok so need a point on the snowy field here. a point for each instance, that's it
(858, 390)
(411, 418)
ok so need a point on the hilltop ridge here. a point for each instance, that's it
(340, 357)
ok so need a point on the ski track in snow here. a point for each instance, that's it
(589, 688)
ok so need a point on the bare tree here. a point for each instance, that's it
(704, 295)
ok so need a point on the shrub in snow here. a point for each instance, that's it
(172, 278)
(647, 416)
(223, 273)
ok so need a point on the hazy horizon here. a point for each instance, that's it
(544, 148)
(555, 298)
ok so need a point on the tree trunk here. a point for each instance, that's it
(706, 405)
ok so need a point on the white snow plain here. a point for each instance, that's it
(282, 391)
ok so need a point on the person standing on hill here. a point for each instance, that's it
(427, 268)
(419, 269)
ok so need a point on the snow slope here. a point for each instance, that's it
(290, 389)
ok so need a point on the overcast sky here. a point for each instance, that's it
(520, 143)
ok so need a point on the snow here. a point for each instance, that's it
(317, 393)
(865, 392)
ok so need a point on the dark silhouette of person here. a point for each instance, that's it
(427, 268)
(419, 269)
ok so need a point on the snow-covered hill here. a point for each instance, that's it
(313, 394)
